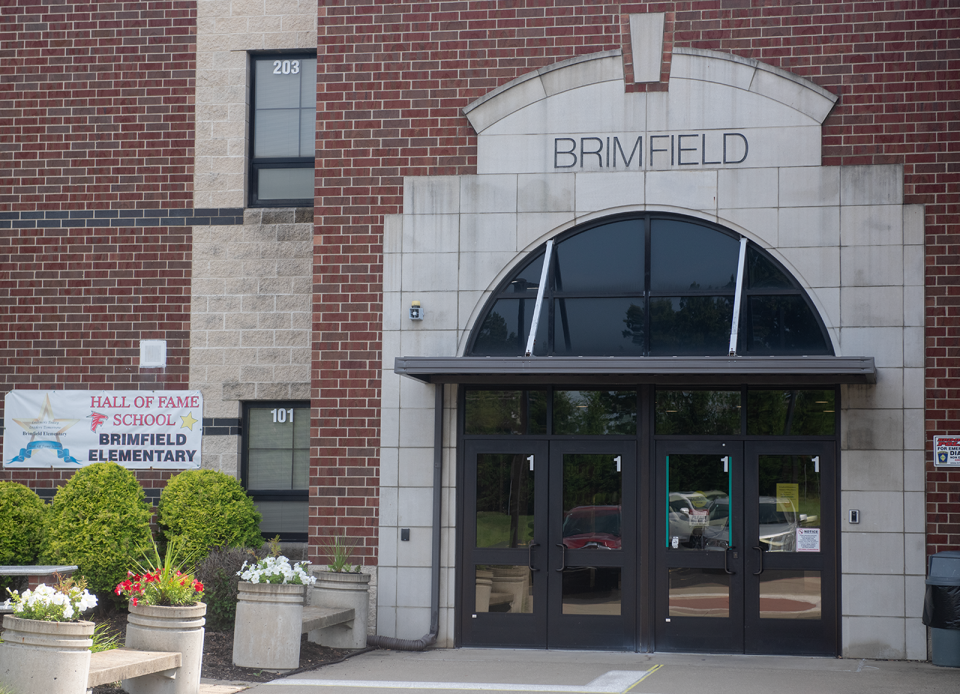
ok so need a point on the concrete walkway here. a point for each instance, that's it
(570, 672)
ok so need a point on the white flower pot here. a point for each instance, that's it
(343, 589)
(268, 627)
(38, 657)
(169, 630)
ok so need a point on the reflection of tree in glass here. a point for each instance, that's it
(594, 412)
(590, 480)
(699, 325)
(494, 337)
(504, 500)
(505, 412)
(494, 412)
(784, 412)
(782, 324)
(635, 326)
(698, 412)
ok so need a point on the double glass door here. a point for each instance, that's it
(744, 547)
(549, 544)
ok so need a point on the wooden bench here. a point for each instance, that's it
(323, 617)
(126, 663)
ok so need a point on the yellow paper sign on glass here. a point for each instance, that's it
(788, 497)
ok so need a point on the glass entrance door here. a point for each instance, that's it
(745, 545)
(550, 544)
(790, 568)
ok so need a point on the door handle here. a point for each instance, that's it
(563, 557)
(726, 566)
(530, 555)
(757, 573)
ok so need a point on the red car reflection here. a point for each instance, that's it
(592, 527)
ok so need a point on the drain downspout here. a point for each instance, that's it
(429, 638)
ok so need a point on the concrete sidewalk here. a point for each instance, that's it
(569, 672)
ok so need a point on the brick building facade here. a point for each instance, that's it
(141, 203)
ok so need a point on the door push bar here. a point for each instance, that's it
(759, 549)
(726, 566)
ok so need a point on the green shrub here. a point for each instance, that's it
(218, 573)
(208, 509)
(100, 522)
(21, 524)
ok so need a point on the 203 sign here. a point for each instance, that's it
(286, 67)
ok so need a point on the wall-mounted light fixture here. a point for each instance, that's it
(416, 312)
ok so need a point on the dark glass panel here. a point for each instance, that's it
(603, 259)
(598, 327)
(505, 498)
(782, 324)
(503, 588)
(695, 412)
(686, 256)
(505, 329)
(698, 502)
(505, 412)
(791, 412)
(699, 593)
(592, 495)
(591, 590)
(594, 412)
(786, 594)
(527, 281)
(763, 274)
(789, 504)
(692, 325)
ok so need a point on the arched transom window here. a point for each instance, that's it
(650, 285)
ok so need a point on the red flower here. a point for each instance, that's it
(197, 586)
(134, 600)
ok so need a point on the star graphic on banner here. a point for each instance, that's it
(45, 424)
(188, 421)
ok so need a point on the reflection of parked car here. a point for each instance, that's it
(698, 520)
(592, 527)
(778, 524)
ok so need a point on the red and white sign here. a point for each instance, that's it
(946, 451)
(73, 428)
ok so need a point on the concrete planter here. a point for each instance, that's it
(341, 590)
(39, 657)
(170, 630)
(268, 627)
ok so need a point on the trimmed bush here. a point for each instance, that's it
(218, 573)
(99, 521)
(208, 509)
(21, 524)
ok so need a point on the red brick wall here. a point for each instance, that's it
(394, 76)
(96, 113)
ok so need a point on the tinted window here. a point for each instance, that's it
(687, 257)
(505, 412)
(698, 412)
(599, 327)
(505, 329)
(593, 412)
(606, 259)
(694, 325)
(791, 412)
(783, 324)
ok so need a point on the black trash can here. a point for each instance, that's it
(941, 607)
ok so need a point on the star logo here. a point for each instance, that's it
(45, 425)
(188, 421)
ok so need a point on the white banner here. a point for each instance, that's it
(73, 428)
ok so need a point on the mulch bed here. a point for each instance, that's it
(218, 656)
